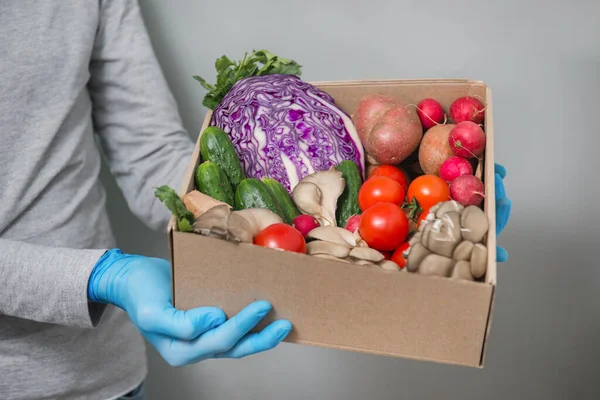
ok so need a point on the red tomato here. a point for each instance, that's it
(392, 172)
(380, 189)
(384, 226)
(428, 190)
(397, 256)
(387, 255)
(281, 236)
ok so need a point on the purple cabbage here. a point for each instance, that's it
(284, 128)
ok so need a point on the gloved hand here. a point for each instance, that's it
(142, 287)
(503, 206)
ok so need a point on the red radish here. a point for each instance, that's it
(467, 140)
(454, 167)
(467, 108)
(305, 223)
(430, 113)
(468, 190)
(353, 223)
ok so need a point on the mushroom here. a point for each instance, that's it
(415, 256)
(213, 223)
(333, 234)
(463, 251)
(331, 258)
(388, 265)
(474, 223)
(462, 271)
(367, 254)
(359, 240)
(332, 249)
(317, 195)
(449, 245)
(307, 197)
(437, 265)
(448, 206)
(244, 225)
(363, 262)
(479, 260)
(416, 238)
(444, 235)
(198, 203)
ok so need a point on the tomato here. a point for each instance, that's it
(380, 189)
(392, 172)
(384, 226)
(428, 190)
(397, 256)
(387, 255)
(281, 236)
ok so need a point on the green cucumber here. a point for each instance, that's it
(212, 181)
(252, 193)
(216, 146)
(282, 197)
(347, 204)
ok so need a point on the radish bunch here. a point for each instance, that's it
(466, 140)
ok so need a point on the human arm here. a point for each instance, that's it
(48, 284)
(135, 115)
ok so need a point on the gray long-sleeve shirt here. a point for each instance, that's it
(71, 72)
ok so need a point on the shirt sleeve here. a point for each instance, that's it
(48, 284)
(135, 115)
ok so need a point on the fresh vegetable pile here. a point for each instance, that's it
(282, 166)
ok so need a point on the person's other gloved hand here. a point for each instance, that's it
(142, 287)
(503, 206)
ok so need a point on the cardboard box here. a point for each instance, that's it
(344, 306)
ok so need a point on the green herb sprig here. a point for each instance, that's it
(259, 63)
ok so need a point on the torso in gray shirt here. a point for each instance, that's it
(69, 70)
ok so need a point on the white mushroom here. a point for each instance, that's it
(332, 249)
(474, 223)
(367, 254)
(333, 234)
(244, 225)
(198, 203)
(479, 260)
(213, 222)
(320, 202)
(462, 271)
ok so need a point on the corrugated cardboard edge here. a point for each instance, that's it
(489, 201)
(491, 274)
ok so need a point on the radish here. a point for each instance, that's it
(454, 167)
(353, 223)
(467, 108)
(467, 140)
(430, 113)
(305, 223)
(468, 190)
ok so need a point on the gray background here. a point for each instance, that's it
(542, 62)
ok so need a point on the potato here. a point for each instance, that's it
(435, 149)
(389, 129)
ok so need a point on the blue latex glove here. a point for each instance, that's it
(503, 206)
(142, 287)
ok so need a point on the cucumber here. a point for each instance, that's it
(216, 146)
(347, 204)
(282, 197)
(252, 193)
(212, 181)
